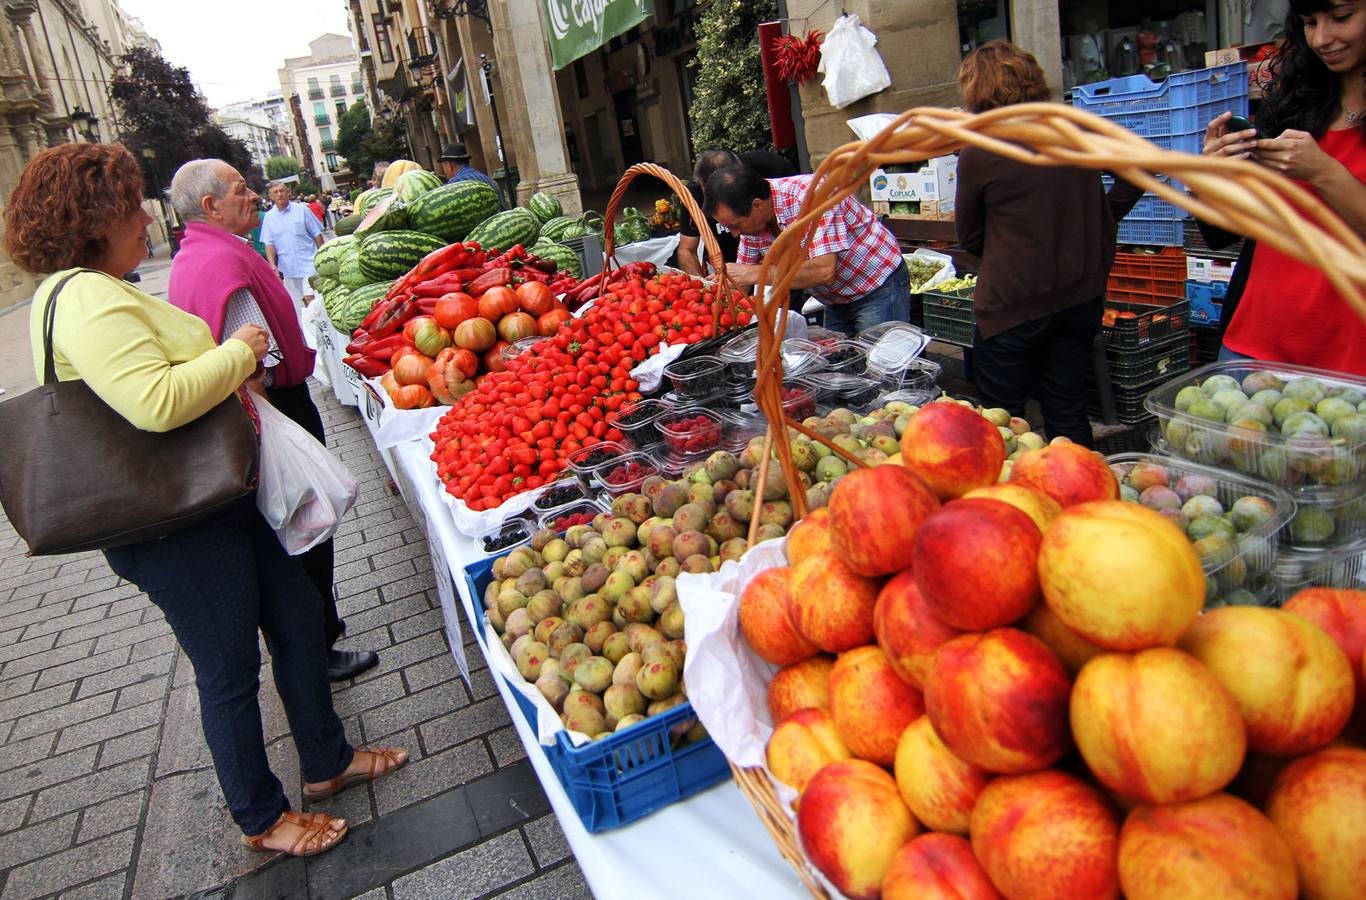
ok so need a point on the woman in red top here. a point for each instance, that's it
(1316, 106)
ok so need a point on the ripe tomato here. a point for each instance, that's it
(475, 334)
(515, 326)
(412, 369)
(550, 323)
(535, 298)
(454, 308)
(497, 302)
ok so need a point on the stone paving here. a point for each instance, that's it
(106, 789)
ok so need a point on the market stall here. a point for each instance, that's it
(688, 610)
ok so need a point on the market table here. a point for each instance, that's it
(712, 841)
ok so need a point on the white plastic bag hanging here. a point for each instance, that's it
(851, 64)
(302, 490)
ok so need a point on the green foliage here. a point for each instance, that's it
(729, 109)
(285, 166)
(351, 134)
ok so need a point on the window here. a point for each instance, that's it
(356, 85)
(315, 91)
(320, 113)
(341, 109)
(325, 138)
(335, 86)
(386, 49)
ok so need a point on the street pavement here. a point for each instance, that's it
(106, 787)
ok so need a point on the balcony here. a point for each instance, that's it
(337, 90)
(321, 120)
(328, 145)
(357, 87)
(315, 93)
(421, 47)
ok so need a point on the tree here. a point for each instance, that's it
(386, 141)
(162, 112)
(729, 107)
(285, 166)
(352, 132)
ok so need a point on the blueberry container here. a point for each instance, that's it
(609, 476)
(585, 461)
(847, 357)
(561, 493)
(696, 378)
(507, 536)
(637, 422)
(1236, 529)
(892, 346)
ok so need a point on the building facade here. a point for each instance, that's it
(318, 89)
(57, 59)
(260, 124)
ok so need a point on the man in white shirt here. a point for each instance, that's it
(292, 234)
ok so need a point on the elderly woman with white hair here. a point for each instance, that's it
(218, 277)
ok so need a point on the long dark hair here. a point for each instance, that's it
(1304, 94)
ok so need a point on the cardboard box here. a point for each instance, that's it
(937, 180)
(1222, 57)
(1209, 271)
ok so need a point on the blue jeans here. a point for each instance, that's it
(218, 583)
(888, 302)
(1227, 355)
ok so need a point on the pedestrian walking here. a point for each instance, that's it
(292, 234)
(217, 277)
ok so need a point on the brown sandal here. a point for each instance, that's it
(383, 760)
(316, 826)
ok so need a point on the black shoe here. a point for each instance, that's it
(346, 664)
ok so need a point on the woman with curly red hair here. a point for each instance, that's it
(76, 216)
(1046, 235)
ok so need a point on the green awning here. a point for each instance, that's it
(578, 27)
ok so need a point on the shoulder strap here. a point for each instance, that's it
(49, 320)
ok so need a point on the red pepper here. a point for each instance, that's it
(370, 368)
(400, 310)
(436, 287)
(373, 316)
(495, 277)
(533, 274)
(385, 347)
(358, 344)
(426, 305)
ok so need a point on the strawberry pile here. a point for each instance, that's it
(514, 431)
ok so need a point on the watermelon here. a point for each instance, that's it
(544, 207)
(565, 258)
(389, 254)
(551, 230)
(349, 309)
(452, 210)
(389, 214)
(350, 273)
(414, 184)
(396, 170)
(329, 256)
(347, 224)
(506, 229)
(367, 200)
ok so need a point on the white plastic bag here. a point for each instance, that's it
(946, 269)
(851, 64)
(303, 490)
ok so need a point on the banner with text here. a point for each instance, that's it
(578, 27)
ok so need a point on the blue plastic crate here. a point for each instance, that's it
(1206, 301)
(628, 774)
(1171, 113)
(1151, 206)
(1151, 232)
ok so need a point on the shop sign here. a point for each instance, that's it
(578, 27)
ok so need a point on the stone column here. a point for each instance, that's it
(42, 66)
(1035, 27)
(11, 60)
(529, 104)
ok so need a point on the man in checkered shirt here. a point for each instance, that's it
(854, 264)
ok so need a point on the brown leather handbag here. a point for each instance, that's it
(76, 475)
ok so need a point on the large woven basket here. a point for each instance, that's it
(1237, 195)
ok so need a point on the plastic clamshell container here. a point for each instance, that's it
(1298, 459)
(1233, 575)
(920, 375)
(637, 422)
(1327, 517)
(672, 465)
(632, 485)
(838, 389)
(800, 399)
(801, 358)
(1339, 567)
(696, 378)
(738, 427)
(585, 461)
(548, 519)
(517, 348)
(848, 357)
(565, 492)
(515, 533)
(685, 440)
(819, 334)
(630, 773)
(738, 353)
(915, 397)
(896, 347)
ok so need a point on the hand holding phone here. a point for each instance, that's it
(1241, 123)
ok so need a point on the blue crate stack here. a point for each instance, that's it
(1171, 114)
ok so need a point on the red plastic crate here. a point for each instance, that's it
(1169, 264)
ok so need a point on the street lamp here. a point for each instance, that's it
(84, 123)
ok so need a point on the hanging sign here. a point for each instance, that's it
(578, 27)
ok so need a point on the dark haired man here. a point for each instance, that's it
(854, 265)
(767, 164)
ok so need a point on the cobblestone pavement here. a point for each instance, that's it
(106, 788)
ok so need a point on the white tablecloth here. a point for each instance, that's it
(655, 250)
(714, 844)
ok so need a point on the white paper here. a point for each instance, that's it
(445, 592)
(867, 127)
(655, 250)
(650, 373)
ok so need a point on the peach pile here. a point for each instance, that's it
(945, 643)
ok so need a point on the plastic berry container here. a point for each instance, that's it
(626, 473)
(510, 534)
(690, 430)
(848, 357)
(561, 493)
(637, 422)
(696, 378)
(799, 399)
(585, 461)
(565, 517)
(839, 389)
(737, 355)
(1326, 517)
(739, 426)
(672, 465)
(517, 348)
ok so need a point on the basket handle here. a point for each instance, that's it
(725, 287)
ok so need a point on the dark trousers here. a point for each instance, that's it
(217, 583)
(1049, 357)
(298, 404)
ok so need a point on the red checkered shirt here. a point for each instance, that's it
(866, 251)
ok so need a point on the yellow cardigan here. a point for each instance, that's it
(156, 365)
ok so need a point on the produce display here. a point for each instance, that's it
(922, 270)
(966, 635)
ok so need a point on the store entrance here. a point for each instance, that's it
(628, 127)
(1103, 39)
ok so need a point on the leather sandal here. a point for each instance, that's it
(383, 760)
(313, 839)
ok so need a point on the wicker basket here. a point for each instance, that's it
(709, 244)
(1234, 194)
